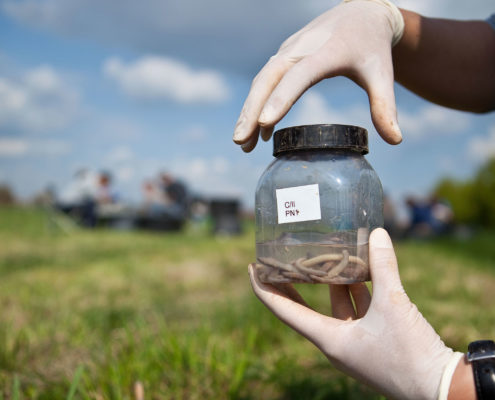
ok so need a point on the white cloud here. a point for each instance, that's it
(121, 160)
(125, 173)
(50, 147)
(313, 108)
(238, 35)
(220, 165)
(153, 77)
(220, 177)
(216, 33)
(194, 134)
(120, 154)
(38, 101)
(119, 128)
(428, 120)
(432, 120)
(481, 148)
(15, 147)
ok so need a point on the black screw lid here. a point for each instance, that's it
(325, 136)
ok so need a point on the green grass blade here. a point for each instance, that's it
(16, 389)
(75, 383)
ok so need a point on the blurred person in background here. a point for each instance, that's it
(442, 215)
(420, 218)
(89, 197)
(108, 204)
(153, 200)
(105, 194)
(380, 340)
(78, 198)
(390, 220)
(428, 217)
(176, 195)
(166, 203)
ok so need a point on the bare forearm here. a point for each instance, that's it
(448, 62)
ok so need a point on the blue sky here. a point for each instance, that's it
(140, 87)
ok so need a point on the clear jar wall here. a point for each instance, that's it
(351, 201)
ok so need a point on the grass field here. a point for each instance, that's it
(90, 314)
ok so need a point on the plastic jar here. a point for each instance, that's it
(316, 205)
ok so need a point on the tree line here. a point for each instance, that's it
(472, 200)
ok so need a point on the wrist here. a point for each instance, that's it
(448, 375)
(394, 17)
(462, 385)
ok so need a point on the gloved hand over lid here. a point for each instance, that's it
(353, 39)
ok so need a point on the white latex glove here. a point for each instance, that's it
(353, 39)
(385, 342)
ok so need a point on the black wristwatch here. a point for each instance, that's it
(481, 355)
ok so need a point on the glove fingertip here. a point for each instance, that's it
(250, 144)
(266, 132)
(380, 238)
(266, 116)
(240, 136)
(387, 127)
(383, 262)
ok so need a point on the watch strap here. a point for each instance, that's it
(481, 354)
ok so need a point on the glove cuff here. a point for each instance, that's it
(448, 372)
(395, 18)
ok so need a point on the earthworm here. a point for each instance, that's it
(263, 277)
(268, 273)
(321, 259)
(272, 262)
(263, 268)
(327, 266)
(340, 266)
(274, 274)
(299, 265)
(325, 271)
(329, 278)
(324, 258)
(357, 260)
(296, 275)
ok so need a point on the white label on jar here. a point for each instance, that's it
(298, 203)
